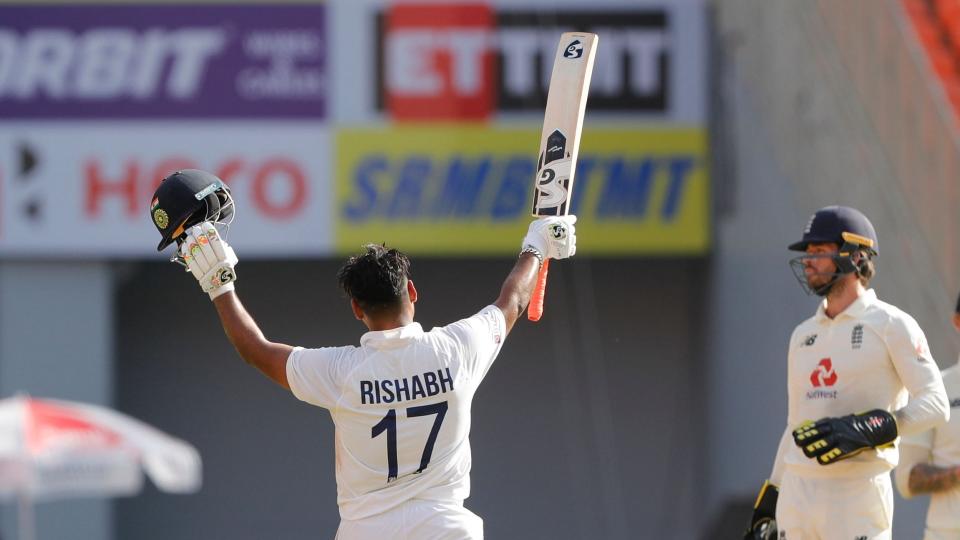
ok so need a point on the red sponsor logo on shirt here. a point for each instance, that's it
(823, 374)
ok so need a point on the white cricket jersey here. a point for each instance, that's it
(943, 443)
(870, 356)
(400, 404)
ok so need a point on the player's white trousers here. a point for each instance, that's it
(835, 508)
(416, 520)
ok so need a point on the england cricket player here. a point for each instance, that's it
(400, 401)
(930, 463)
(850, 370)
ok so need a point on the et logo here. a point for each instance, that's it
(438, 62)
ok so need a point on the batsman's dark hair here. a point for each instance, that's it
(376, 279)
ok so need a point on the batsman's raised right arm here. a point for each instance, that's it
(547, 238)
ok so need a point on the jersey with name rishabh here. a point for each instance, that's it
(943, 443)
(870, 356)
(400, 404)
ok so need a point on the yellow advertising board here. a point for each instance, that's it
(467, 190)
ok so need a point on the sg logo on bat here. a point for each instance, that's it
(574, 49)
(552, 186)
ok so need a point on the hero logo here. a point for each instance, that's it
(106, 63)
(823, 374)
(276, 186)
(465, 61)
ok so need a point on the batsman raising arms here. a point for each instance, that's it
(400, 401)
(850, 371)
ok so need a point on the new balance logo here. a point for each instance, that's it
(809, 340)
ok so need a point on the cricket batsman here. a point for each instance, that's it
(859, 375)
(400, 400)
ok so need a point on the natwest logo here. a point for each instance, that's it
(823, 374)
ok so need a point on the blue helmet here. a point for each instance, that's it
(839, 225)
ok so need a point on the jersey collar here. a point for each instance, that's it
(389, 339)
(853, 311)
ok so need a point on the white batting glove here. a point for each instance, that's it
(552, 237)
(210, 259)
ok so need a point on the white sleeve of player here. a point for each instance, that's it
(908, 349)
(479, 339)
(313, 375)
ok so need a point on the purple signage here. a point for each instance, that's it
(163, 61)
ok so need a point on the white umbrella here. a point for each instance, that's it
(52, 449)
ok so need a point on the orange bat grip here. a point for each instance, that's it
(535, 310)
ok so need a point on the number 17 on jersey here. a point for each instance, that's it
(560, 139)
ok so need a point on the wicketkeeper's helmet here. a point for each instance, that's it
(839, 225)
(850, 230)
(186, 198)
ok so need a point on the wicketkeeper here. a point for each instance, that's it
(859, 375)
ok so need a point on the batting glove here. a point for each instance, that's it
(210, 259)
(829, 440)
(763, 524)
(552, 237)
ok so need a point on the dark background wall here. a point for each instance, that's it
(580, 416)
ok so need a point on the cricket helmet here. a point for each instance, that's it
(185, 198)
(838, 225)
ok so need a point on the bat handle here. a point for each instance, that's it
(535, 310)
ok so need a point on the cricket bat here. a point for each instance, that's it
(560, 139)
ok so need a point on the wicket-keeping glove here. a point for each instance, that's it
(829, 440)
(763, 525)
(210, 259)
(552, 237)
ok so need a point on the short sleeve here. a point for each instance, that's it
(316, 375)
(479, 339)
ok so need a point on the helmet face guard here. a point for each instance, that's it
(843, 262)
(187, 198)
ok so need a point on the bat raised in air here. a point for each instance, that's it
(562, 122)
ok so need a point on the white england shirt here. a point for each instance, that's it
(943, 445)
(870, 356)
(400, 404)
